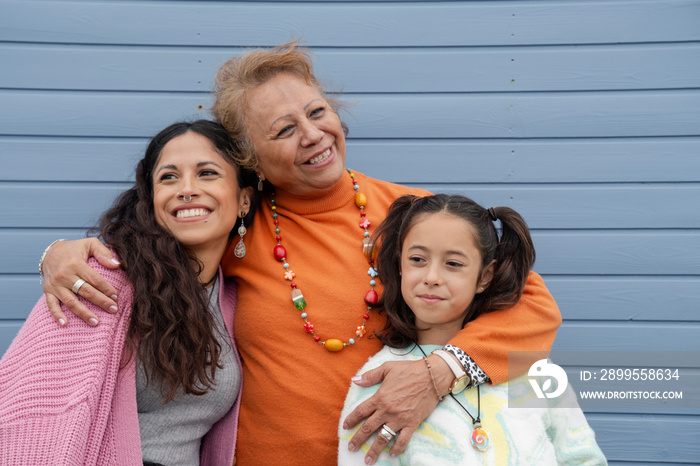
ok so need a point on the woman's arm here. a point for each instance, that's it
(528, 328)
(65, 262)
(407, 395)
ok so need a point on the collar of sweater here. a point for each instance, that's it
(338, 196)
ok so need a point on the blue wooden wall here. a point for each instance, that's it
(583, 115)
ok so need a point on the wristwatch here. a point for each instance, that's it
(461, 378)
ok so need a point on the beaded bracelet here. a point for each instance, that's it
(41, 261)
(432, 379)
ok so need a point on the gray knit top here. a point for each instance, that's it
(171, 433)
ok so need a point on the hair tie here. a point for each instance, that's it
(492, 213)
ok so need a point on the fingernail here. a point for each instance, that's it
(351, 446)
(346, 426)
(368, 460)
(114, 297)
(115, 262)
(357, 378)
(61, 322)
(93, 321)
(113, 308)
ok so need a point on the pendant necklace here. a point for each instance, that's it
(479, 438)
(371, 297)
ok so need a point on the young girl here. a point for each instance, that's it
(442, 264)
(157, 382)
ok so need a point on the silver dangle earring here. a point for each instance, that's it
(260, 183)
(240, 247)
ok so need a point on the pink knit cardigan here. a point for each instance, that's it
(66, 400)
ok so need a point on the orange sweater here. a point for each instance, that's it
(293, 387)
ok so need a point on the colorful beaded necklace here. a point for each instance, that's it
(371, 297)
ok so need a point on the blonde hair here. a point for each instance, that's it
(240, 74)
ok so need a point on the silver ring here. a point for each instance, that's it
(387, 433)
(187, 198)
(76, 286)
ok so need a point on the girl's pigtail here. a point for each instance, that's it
(515, 256)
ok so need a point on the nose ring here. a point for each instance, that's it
(186, 198)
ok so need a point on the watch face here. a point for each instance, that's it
(460, 384)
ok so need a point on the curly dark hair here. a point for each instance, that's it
(514, 254)
(170, 321)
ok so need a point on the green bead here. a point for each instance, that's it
(299, 303)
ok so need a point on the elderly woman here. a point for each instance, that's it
(307, 284)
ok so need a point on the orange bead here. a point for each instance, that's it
(334, 345)
(360, 200)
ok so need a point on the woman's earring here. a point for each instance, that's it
(240, 247)
(260, 183)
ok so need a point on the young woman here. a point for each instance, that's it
(442, 265)
(157, 382)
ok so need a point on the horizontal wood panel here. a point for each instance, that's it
(627, 298)
(603, 206)
(96, 114)
(620, 336)
(71, 159)
(558, 207)
(647, 439)
(18, 295)
(507, 69)
(645, 253)
(520, 115)
(435, 161)
(522, 161)
(528, 115)
(618, 253)
(340, 24)
(60, 205)
(21, 249)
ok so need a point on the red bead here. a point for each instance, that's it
(365, 316)
(278, 238)
(371, 297)
(293, 285)
(277, 222)
(317, 338)
(363, 214)
(280, 252)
